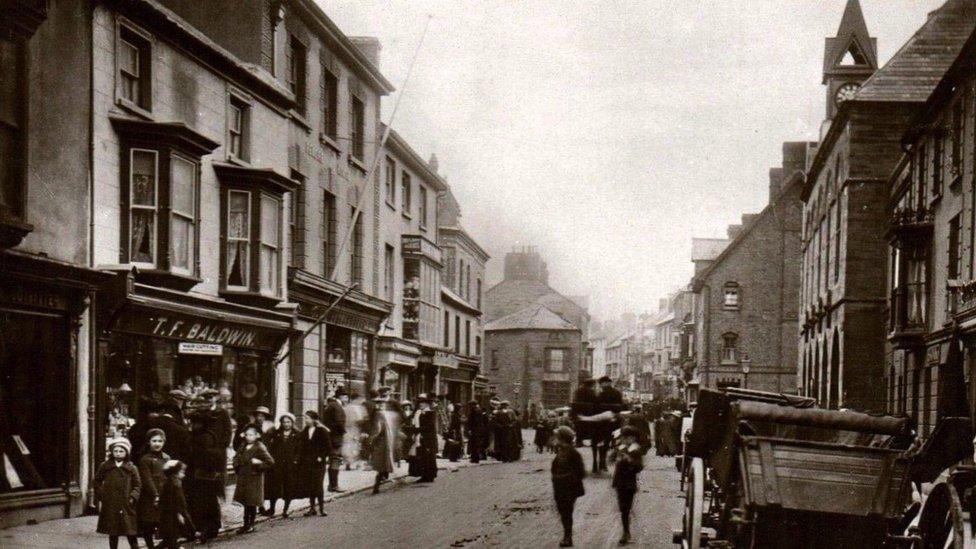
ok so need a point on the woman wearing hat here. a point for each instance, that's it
(283, 480)
(426, 423)
(117, 487)
(152, 477)
(315, 449)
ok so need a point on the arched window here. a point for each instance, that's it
(730, 347)
(731, 294)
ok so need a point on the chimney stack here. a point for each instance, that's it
(369, 46)
(434, 165)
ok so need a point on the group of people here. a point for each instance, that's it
(615, 430)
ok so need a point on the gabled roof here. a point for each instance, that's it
(511, 291)
(914, 71)
(533, 317)
(851, 35)
(707, 249)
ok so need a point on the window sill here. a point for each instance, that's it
(248, 297)
(391, 205)
(161, 278)
(406, 215)
(330, 143)
(12, 230)
(132, 108)
(299, 119)
(423, 228)
(237, 161)
(357, 163)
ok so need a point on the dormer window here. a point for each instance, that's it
(160, 191)
(731, 296)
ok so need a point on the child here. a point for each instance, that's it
(174, 519)
(543, 432)
(117, 487)
(628, 454)
(567, 480)
(151, 475)
(250, 462)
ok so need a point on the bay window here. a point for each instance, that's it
(160, 191)
(252, 213)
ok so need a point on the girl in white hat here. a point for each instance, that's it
(117, 487)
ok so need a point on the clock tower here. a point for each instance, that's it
(849, 58)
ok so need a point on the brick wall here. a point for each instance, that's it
(509, 350)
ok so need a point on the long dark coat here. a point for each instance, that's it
(206, 468)
(567, 473)
(117, 487)
(250, 476)
(477, 425)
(151, 476)
(284, 479)
(174, 519)
(334, 418)
(312, 458)
(425, 463)
(383, 437)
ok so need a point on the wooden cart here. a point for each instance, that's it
(768, 474)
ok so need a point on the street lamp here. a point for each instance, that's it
(745, 363)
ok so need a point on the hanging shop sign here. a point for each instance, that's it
(206, 349)
(200, 329)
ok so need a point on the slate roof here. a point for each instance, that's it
(915, 70)
(509, 296)
(533, 317)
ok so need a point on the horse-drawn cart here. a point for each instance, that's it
(773, 472)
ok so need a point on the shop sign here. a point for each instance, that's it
(33, 296)
(446, 360)
(208, 349)
(194, 329)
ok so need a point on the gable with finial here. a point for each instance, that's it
(853, 50)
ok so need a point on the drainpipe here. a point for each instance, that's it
(92, 329)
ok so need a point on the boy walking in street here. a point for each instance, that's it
(567, 480)
(628, 455)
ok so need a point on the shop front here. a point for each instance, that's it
(456, 377)
(154, 341)
(397, 360)
(44, 384)
(338, 351)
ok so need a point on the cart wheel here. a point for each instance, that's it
(694, 504)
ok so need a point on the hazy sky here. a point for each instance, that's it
(609, 133)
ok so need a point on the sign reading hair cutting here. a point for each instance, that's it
(206, 349)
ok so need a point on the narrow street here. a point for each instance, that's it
(494, 505)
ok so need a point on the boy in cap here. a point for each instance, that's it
(567, 480)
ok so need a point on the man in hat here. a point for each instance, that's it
(427, 429)
(610, 399)
(501, 426)
(477, 431)
(583, 404)
(383, 436)
(334, 418)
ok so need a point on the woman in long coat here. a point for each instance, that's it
(151, 476)
(117, 488)
(250, 462)
(427, 451)
(283, 480)
(312, 459)
(383, 438)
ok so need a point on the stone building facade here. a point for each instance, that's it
(532, 358)
(931, 232)
(843, 301)
(745, 307)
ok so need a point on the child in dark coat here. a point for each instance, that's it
(567, 480)
(250, 463)
(117, 487)
(174, 518)
(151, 475)
(628, 453)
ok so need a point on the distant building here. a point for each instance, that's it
(746, 313)
(526, 283)
(598, 350)
(532, 358)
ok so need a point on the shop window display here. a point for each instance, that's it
(141, 371)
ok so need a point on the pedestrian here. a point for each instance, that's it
(283, 480)
(543, 432)
(628, 455)
(334, 419)
(567, 480)
(315, 449)
(477, 430)
(426, 423)
(454, 437)
(383, 438)
(151, 476)
(407, 436)
(117, 488)
(206, 467)
(250, 462)
(500, 423)
(174, 518)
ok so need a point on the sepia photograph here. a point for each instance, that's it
(485, 274)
